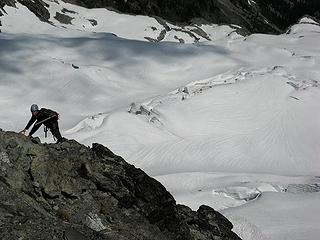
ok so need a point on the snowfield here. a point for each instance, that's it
(233, 123)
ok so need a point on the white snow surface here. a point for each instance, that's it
(233, 123)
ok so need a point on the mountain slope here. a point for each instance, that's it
(260, 102)
(57, 16)
(252, 16)
(271, 16)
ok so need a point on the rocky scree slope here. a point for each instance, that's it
(70, 191)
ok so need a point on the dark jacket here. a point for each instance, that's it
(44, 116)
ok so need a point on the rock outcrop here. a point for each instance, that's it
(70, 191)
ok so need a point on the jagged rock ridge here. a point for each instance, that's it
(53, 190)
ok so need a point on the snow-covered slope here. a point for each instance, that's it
(233, 123)
(261, 115)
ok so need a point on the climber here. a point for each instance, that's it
(44, 116)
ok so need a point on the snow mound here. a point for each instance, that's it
(90, 123)
(305, 25)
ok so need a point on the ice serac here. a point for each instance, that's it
(51, 191)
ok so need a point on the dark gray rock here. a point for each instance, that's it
(70, 191)
(75, 66)
(64, 10)
(93, 22)
(71, 234)
(63, 18)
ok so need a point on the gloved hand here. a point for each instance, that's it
(23, 131)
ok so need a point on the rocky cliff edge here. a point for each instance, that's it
(73, 192)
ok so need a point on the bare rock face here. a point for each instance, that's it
(70, 191)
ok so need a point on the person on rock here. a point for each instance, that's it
(44, 116)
